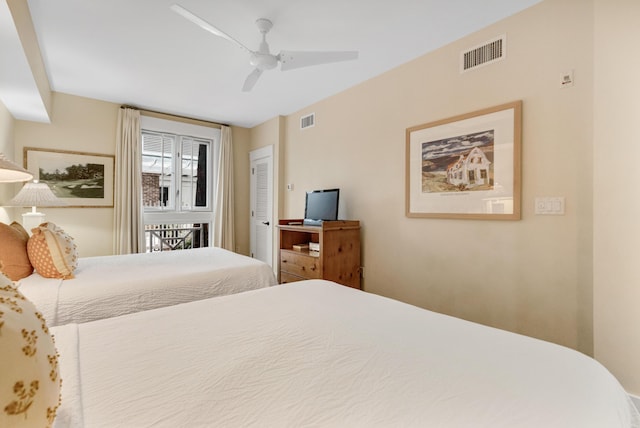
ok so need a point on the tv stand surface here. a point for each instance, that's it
(309, 222)
(338, 258)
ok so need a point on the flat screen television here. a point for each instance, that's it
(321, 205)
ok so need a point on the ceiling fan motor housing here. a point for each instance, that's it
(263, 61)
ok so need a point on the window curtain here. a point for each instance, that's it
(128, 215)
(223, 225)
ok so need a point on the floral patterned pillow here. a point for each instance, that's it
(29, 377)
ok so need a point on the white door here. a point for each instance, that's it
(261, 204)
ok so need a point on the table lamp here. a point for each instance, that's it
(32, 195)
(10, 172)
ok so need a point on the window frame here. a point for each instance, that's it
(177, 215)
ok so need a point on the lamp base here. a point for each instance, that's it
(31, 220)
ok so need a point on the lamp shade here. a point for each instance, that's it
(10, 172)
(35, 194)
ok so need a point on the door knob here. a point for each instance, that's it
(266, 223)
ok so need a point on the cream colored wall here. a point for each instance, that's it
(617, 205)
(7, 190)
(87, 125)
(83, 125)
(241, 141)
(531, 276)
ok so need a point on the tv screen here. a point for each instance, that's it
(321, 205)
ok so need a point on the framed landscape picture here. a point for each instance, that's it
(467, 166)
(79, 179)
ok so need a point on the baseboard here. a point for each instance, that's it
(636, 401)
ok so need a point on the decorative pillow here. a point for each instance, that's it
(52, 252)
(18, 227)
(29, 377)
(14, 260)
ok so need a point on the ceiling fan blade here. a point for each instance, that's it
(251, 80)
(205, 25)
(298, 59)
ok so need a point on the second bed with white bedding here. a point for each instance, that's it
(109, 286)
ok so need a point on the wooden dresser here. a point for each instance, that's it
(337, 258)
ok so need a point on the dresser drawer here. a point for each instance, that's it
(300, 264)
(286, 277)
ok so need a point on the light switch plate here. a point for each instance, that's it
(549, 205)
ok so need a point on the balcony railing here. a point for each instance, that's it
(169, 237)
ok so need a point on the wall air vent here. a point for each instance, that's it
(484, 54)
(308, 121)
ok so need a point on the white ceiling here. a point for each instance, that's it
(141, 53)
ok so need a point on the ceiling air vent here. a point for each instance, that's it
(487, 53)
(307, 121)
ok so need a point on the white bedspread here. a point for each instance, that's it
(318, 354)
(109, 286)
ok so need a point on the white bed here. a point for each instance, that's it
(315, 353)
(109, 286)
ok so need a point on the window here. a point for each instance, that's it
(178, 182)
(175, 172)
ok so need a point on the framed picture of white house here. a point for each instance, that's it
(80, 179)
(467, 166)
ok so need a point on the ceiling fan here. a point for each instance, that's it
(263, 59)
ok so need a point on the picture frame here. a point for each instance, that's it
(80, 179)
(467, 166)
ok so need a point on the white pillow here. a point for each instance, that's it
(29, 377)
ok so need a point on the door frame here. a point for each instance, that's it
(254, 156)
